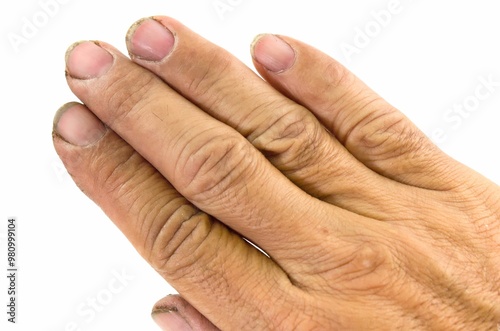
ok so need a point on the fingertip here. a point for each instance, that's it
(273, 53)
(59, 113)
(148, 39)
(77, 125)
(87, 60)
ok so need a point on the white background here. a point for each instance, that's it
(429, 57)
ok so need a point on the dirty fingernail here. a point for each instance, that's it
(149, 40)
(273, 53)
(78, 125)
(86, 60)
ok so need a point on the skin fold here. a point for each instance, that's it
(366, 224)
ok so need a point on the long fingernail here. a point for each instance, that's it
(273, 53)
(149, 40)
(86, 60)
(169, 319)
(77, 125)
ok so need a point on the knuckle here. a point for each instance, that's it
(291, 141)
(117, 178)
(175, 235)
(369, 267)
(327, 95)
(338, 75)
(374, 128)
(209, 167)
(168, 230)
(386, 133)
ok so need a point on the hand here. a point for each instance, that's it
(368, 225)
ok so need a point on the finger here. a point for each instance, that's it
(193, 252)
(206, 161)
(174, 313)
(376, 133)
(287, 133)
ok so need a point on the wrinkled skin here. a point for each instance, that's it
(368, 225)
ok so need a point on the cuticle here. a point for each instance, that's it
(71, 48)
(61, 111)
(95, 42)
(134, 27)
(131, 31)
(257, 38)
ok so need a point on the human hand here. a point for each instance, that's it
(367, 223)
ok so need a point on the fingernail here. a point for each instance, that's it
(273, 53)
(169, 319)
(86, 60)
(149, 40)
(77, 125)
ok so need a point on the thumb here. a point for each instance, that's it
(174, 313)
